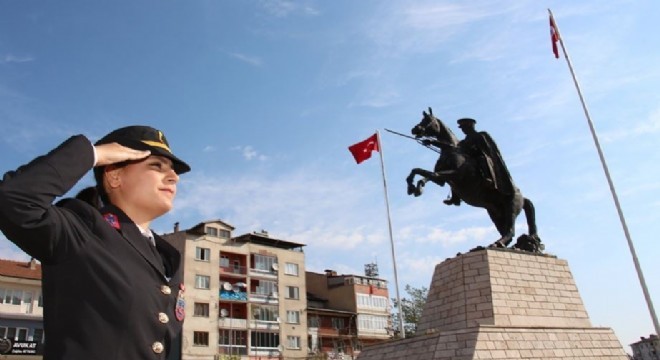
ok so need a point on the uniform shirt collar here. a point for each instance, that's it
(147, 233)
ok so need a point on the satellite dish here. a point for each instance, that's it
(279, 348)
(241, 284)
(274, 294)
(226, 286)
(224, 312)
(275, 266)
(277, 319)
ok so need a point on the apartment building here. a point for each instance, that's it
(245, 295)
(21, 310)
(331, 332)
(346, 313)
(646, 348)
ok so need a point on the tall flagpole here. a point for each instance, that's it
(640, 275)
(389, 227)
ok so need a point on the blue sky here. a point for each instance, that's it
(263, 98)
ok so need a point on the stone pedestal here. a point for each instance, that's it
(502, 304)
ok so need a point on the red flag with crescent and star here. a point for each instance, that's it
(554, 37)
(362, 150)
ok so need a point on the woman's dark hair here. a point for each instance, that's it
(90, 195)
(100, 190)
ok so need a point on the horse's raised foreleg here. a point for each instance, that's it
(416, 189)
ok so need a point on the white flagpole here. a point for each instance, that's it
(389, 227)
(640, 275)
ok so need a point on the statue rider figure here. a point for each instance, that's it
(482, 148)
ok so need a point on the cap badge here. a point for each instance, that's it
(161, 143)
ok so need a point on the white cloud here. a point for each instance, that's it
(249, 153)
(252, 60)
(283, 8)
(303, 206)
(10, 58)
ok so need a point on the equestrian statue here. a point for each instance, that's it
(476, 172)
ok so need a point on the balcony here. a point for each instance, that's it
(233, 295)
(233, 270)
(264, 299)
(232, 323)
(262, 273)
(232, 350)
(264, 325)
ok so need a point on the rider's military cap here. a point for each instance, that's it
(145, 138)
(466, 121)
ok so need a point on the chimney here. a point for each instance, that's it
(176, 226)
(32, 264)
(329, 272)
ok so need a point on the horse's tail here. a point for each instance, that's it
(530, 215)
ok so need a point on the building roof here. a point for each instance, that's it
(263, 239)
(20, 269)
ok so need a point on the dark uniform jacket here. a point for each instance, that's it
(106, 294)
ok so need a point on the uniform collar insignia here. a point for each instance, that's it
(112, 220)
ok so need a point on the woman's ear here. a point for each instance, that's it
(112, 176)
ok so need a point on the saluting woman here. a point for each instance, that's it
(112, 289)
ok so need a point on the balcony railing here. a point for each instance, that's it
(230, 269)
(263, 298)
(233, 295)
(232, 349)
(264, 325)
(262, 272)
(232, 323)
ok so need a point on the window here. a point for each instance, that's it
(12, 333)
(201, 309)
(225, 234)
(337, 323)
(211, 231)
(266, 287)
(372, 322)
(38, 335)
(292, 292)
(265, 340)
(201, 338)
(40, 303)
(293, 342)
(265, 312)
(16, 298)
(224, 261)
(203, 254)
(232, 337)
(314, 321)
(291, 269)
(12, 297)
(371, 301)
(264, 263)
(339, 346)
(293, 317)
(202, 282)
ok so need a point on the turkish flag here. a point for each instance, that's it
(554, 36)
(362, 150)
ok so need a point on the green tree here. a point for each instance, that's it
(411, 308)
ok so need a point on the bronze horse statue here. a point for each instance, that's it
(461, 171)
